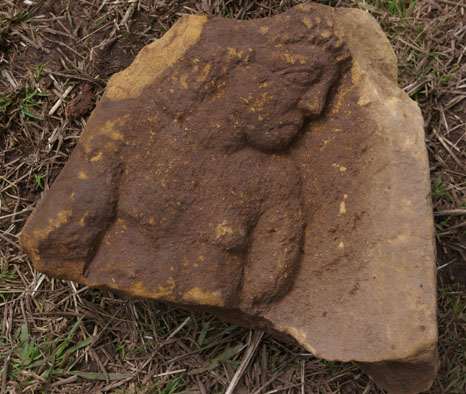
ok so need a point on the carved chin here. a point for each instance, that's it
(271, 140)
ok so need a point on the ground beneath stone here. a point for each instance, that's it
(57, 337)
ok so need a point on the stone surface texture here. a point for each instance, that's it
(269, 171)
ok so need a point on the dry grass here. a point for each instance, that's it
(57, 337)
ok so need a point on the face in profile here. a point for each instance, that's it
(294, 89)
(269, 88)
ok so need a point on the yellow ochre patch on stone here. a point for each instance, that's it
(183, 80)
(72, 270)
(343, 205)
(340, 167)
(53, 224)
(108, 130)
(97, 157)
(31, 243)
(223, 229)
(81, 221)
(342, 208)
(294, 58)
(203, 297)
(235, 52)
(307, 21)
(326, 34)
(156, 57)
(82, 175)
(263, 29)
(297, 334)
(203, 75)
(139, 290)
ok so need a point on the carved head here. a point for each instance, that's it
(256, 83)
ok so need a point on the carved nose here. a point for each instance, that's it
(313, 101)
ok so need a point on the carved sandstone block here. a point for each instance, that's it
(270, 171)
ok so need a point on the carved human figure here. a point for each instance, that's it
(231, 169)
(200, 199)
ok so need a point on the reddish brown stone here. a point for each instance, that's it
(269, 171)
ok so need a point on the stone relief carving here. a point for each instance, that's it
(201, 188)
(268, 171)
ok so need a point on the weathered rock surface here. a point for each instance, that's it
(269, 171)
